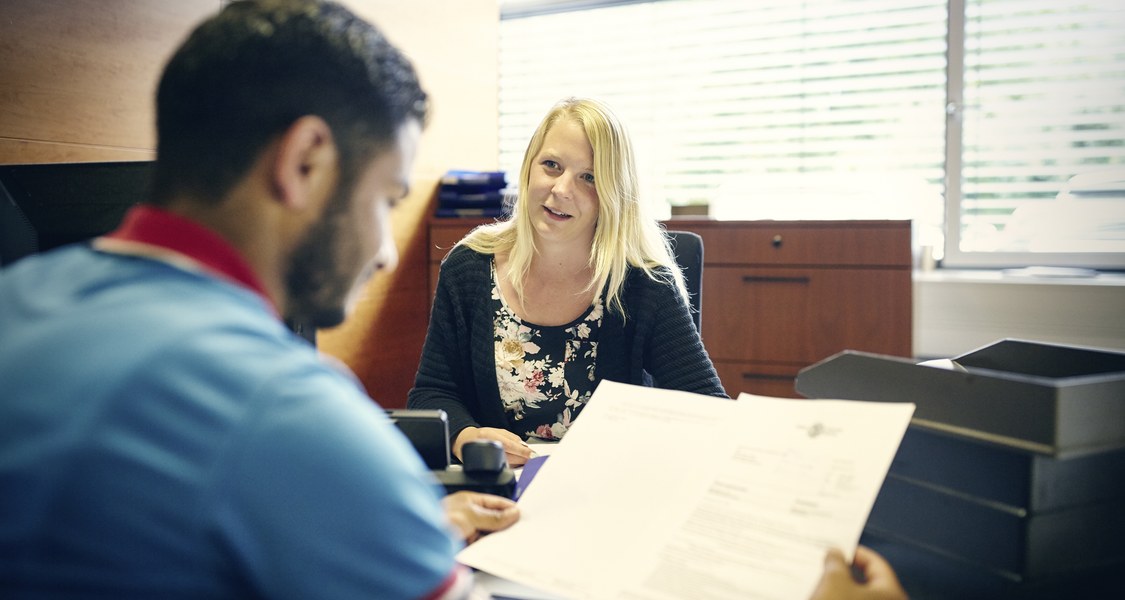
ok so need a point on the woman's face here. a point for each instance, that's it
(562, 199)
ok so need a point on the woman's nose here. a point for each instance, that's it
(564, 185)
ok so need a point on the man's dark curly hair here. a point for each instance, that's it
(245, 75)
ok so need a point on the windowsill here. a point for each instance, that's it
(998, 276)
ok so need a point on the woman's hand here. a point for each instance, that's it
(473, 514)
(515, 449)
(837, 583)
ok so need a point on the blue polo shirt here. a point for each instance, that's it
(163, 435)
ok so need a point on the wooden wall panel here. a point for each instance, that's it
(454, 47)
(77, 83)
(27, 151)
(77, 77)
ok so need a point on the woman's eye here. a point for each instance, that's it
(550, 164)
(588, 178)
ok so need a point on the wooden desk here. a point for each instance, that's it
(781, 295)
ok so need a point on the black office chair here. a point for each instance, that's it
(687, 247)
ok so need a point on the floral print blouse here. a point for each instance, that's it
(546, 374)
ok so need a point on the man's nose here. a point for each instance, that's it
(386, 257)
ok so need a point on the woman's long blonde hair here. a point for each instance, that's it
(624, 235)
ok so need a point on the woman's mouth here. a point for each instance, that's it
(554, 214)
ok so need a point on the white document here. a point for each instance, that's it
(487, 586)
(656, 494)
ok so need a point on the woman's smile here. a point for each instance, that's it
(555, 214)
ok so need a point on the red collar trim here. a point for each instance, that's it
(162, 235)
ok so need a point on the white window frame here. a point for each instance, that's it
(954, 153)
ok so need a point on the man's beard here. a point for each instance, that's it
(319, 278)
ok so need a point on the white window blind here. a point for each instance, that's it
(767, 109)
(838, 109)
(1043, 113)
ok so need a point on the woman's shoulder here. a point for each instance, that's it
(465, 272)
(462, 256)
(657, 281)
(645, 294)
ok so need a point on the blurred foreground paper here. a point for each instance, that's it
(659, 495)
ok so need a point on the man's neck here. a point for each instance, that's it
(157, 233)
(251, 231)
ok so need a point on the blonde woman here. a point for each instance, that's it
(578, 286)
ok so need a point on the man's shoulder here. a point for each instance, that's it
(181, 330)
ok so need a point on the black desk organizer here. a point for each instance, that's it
(428, 432)
(1010, 481)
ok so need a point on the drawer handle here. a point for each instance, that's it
(768, 376)
(773, 279)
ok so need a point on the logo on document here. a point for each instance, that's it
(818, 429)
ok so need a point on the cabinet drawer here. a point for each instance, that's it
(876, 244)
(737, 377)
(800, 316)
(756, 378)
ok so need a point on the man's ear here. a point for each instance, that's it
(306, 165)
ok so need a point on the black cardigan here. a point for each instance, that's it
(656, 345)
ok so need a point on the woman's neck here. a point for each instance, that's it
(556, 289)
(565, 260)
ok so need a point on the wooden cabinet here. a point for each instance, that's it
(443, 234)
(781, 295)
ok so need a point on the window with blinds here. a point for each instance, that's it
(1042, 120)
(839, 109)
